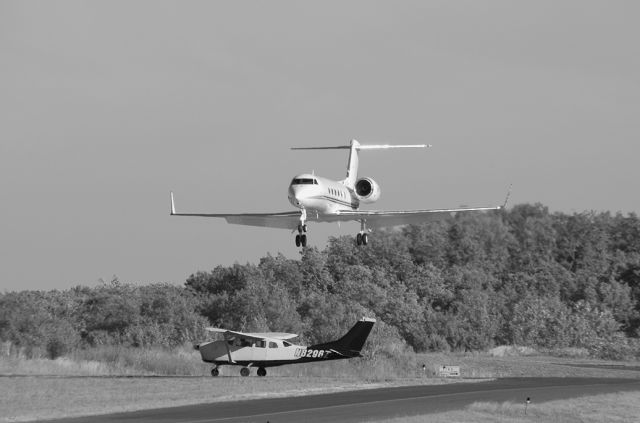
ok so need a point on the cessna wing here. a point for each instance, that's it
(385, 218)
(257, 336)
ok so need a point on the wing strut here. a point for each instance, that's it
(226, 344)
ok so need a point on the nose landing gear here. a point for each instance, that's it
(301, 238)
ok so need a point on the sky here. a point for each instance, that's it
(106, 106)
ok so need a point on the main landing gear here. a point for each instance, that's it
(245, 371)
(362, 238)
(301, 238)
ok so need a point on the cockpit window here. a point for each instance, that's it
(286, 344)
(304, 181)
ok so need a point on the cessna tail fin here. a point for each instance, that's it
(353, 341)
(354, 147)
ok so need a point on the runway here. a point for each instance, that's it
(371, 404)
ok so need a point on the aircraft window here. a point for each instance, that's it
(245, 343)
(304, 181)
(273, 345)
(286, 344)
(261, 344)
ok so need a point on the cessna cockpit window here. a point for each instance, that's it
(286, 344)
(304, 181)
(261, 344)
(273, 345)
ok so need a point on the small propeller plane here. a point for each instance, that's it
(271, 349)
(326, 200)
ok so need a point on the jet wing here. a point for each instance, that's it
(385, 218)
(256, 336)
(283, 220)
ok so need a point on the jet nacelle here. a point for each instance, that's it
(367, 190)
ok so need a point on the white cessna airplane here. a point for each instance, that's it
(326, 200)
(271, 349)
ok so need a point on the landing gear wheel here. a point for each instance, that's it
(298, 242)
(304, 228)
(244, 371)
(303, 240)
(215, 372)
(365, 239)
(262, 371)
(359, 239)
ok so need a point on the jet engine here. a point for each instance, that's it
(367, 190)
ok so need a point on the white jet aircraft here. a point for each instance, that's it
(271, 349)
(326, 200)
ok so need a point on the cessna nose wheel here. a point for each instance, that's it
(215, 372)
(244, 371)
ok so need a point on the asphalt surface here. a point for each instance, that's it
(372, 404)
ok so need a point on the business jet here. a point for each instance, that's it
(272, 349)
(321, 199)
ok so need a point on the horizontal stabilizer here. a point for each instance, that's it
(359, 146)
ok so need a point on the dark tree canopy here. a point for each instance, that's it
(523, 276)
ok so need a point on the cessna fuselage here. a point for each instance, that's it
(262, 353)
(264, 350)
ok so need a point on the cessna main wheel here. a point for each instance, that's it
(244, 371)
(262, 371)
(215, 372)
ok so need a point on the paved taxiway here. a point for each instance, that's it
(370, 404)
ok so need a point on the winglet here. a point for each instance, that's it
(504, 206)
(173, 206)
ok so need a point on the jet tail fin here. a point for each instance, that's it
(354, 147)
(353, 341)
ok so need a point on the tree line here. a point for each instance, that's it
(522, 276)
